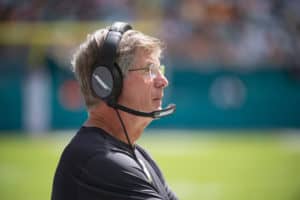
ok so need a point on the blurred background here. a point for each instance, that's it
(234, 73)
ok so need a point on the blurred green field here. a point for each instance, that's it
(197, 165)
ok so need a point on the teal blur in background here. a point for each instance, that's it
(265, 98)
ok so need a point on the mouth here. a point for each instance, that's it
(157, 99)
(157, 102)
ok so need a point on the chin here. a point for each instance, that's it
(157, 105)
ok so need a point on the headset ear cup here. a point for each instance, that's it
(102, 82)
(107, 83)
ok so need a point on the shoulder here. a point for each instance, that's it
(84, 144)
(111, 166)
(116, 173)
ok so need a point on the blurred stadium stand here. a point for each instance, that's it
(232, 64)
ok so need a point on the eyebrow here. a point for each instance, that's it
(147, 64)
(151, 63)
(152, 60)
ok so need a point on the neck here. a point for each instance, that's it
(106, 118)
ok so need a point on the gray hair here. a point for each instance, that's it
(86, 55)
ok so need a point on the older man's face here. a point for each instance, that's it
(141, 91)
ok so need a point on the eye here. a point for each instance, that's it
(147, 69)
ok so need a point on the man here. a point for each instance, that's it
(122, 82)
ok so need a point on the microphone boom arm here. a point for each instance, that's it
(170, 109)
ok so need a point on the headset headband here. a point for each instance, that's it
(110, 45)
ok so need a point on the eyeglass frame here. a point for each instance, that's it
(158, 69)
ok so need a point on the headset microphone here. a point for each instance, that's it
(170, 109)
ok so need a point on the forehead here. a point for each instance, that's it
(142, 57)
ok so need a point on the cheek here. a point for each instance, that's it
(143, 90)
(147, 88)
(143, 94)
(137, 91)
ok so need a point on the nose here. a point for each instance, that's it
(161, 81)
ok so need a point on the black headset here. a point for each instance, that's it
(107, 78)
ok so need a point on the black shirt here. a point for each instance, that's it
(97, 166)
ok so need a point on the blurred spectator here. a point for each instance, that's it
(236, 33)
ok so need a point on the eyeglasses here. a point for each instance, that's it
(152, 69)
